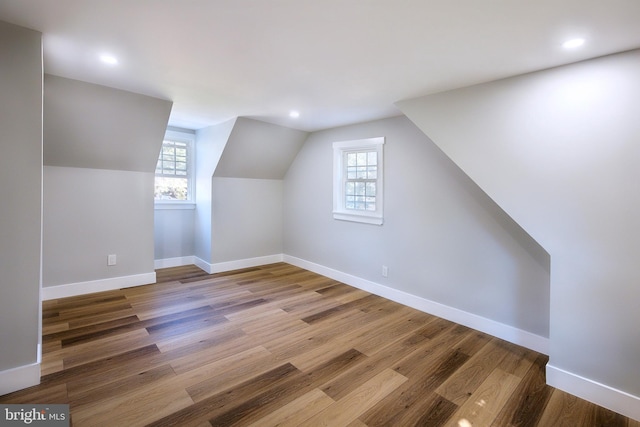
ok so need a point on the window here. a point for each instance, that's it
(174, 178)
(358, 185)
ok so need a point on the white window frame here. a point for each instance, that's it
(340, 212)
(189, 139)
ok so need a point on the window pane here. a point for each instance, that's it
(172, 171)
(170, 188)
(350, 188)
(372, 172)
(351, 172)
(371, 203)
(356, 191)
(371, 189)
(372, 158)
(360, 195)
(350, 202)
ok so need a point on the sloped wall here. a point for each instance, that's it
(101, 146)
(173, 225)
(210, 143)
(259, 150)
(558, 150)
(244, 193)
(98, 127)
(443, 240)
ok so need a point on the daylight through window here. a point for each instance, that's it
(361, 181)
(358, 180)
(173, 170)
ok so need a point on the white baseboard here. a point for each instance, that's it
(18, 378)
(497, 329)
(202, 264)
(81, 288)
(600, 394)
(174, 262)
(237, 264)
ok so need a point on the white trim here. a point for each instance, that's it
(237, 264)
(175, 205)
(176, 135)
(202, 264)
(497, 329)
(81, 288)
(18, 378)
(600, 394)
(174, 262)
(364, 218)
(340, 212)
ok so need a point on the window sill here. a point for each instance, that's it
(174, 205)
(365, 219)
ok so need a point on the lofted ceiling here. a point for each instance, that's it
(335, 61)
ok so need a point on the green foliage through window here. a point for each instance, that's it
(172, 171)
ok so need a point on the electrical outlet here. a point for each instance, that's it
(111, 259)
(385, 271)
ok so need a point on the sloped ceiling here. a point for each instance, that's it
(337, 62)
(558, 151)
(259, 150)
(552, 148)
(91, 126)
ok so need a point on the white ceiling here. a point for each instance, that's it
(335, 61)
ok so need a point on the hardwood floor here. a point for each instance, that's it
(278, 345)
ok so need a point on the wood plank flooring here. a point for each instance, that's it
(280, 346)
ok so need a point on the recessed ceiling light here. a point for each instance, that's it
(294, 114)
(573, 43)
(108, 59)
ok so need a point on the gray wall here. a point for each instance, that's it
(558, 150)
(442, 239)
(259, 150)
(91, 213)
(173, 229)
(239, 169)
(247, 218)
(210, 143)
(98, 127)
(21, 193)
(246, 192)
(173, 232)
(101, 146)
